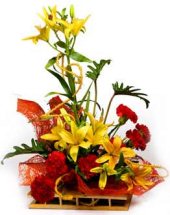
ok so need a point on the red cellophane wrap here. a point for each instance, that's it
(33, 112)
(36, 166)
(116, 188)
(30, 169)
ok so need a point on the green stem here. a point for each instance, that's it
(57, 36)
(52, 46)
(71, 82)
(95, 98)
(115, 129)
(108, 107)
(74, 41)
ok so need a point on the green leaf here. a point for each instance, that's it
(55, 93)
(85, 95)
(96, 69)
(36, 147)
(50, 63)
(79, 57)
(61, 44)
(121, 161)
(120, 89)
(62, 82)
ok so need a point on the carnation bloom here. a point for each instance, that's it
(56, 164)
(126, 113)
(42, 189)
(86, 163)
(139, 137)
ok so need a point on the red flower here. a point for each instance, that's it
(85, 164)
(56, 164)
(126, 113)
(139, 137)
(144, 131)
(42, 189)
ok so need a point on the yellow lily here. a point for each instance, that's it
(105, 170)
(113, 152)
(75, 138)
(44, 34)
(50, 18)
(139, 176)
(55, 135)
(75, 27)
(97, 132)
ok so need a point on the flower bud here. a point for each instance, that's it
(72, 14)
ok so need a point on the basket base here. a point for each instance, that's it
(83, 202)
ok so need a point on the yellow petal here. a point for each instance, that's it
(126, 178)
(50, 137)
(92, 120)
(81, 133)
(89, 134)
(96, 169)
(74, 152)
(67, 136)
(74, 129)
(108, 169)
(102, 180)
(108, 147)
(65, 115)
(127, 152)
(60, 144)
(54, 130)
(33, 38)
(85, 145)
(111, 171)
(103, 158)
(113, 161)
(78, 25)
(142, 182)
(63, 22)
(117, 142)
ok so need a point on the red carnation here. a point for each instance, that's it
(144, 131)
(85, 164)
(42, 189)
(126, 113)
(56, 164)
(139, 137)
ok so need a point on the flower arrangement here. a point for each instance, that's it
(77, 146)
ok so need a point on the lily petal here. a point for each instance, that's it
(74, 152)
(96, 169)
(50, 137)
(67, 136)
(102, 180)
(127, 152)
(103, 158)
(85, 145)
(117, 142)
(126, 178)
(108, 146)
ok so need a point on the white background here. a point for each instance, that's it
(135, 34)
